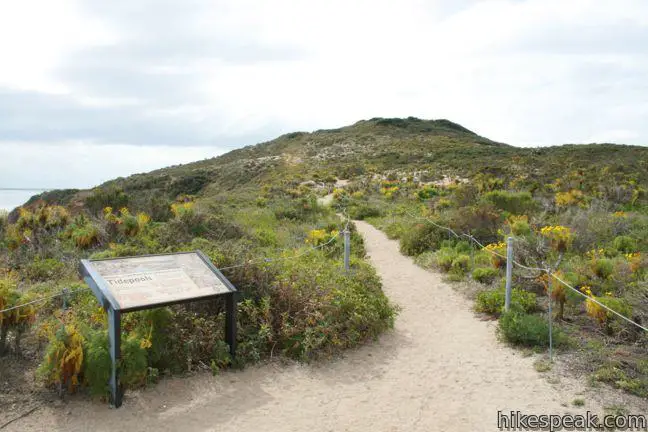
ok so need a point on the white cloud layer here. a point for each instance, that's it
(229, 73)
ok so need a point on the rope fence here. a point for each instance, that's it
(545, 270)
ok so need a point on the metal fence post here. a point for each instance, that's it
(472, 254)
(550, 317)
(347, 250)
(509, 272)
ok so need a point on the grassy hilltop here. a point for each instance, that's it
(580, 209)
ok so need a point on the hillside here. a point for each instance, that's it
(432, 147)
(581, 210)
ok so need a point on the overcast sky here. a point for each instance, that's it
(91, 90)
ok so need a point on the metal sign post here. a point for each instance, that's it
(145, 282)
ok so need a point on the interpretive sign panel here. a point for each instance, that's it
(161, 279)
(145, 282)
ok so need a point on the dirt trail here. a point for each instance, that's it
(441, 369)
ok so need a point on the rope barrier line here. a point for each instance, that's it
(503, 256)
(433, 223)
(42, 299)
(551, 274)
(597, 302)
(470, 237)
(254, 261)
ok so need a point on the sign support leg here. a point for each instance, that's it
(114, 335)
(230, 322)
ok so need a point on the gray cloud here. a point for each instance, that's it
(40, 117)
(165, 51)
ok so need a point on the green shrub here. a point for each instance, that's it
(426, 193)
(443, 204)
(189, 184)
(133, 365)
(191, 223)
(485, 275)
(266, 237)
(420, 238)
(460, 264)
(129, 225)
(613, 324)
(4, 216)
(363, 211)
(520, 228)
(301, 209)
(106, 197)
(520, 328)
(513, 202)
(395, 230)
(44, 270)
(463, 247)
(426, 259)
(96, 362)
(159, 208)
(492, 301)
(83, 233)
(603, 268)
(327, 310)
(117, 250)
(625, 244)
(445, 257)
(221, 357)
(9, 297)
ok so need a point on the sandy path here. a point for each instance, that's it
(441, 369)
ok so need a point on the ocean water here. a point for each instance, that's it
(12, 199)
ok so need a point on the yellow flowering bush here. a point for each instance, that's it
(592, 308)
(83, 232)
(560, 237)
(64, 358)
(558, 292)
(601, 314)
(519, 224)
(180, 208)
(128, 224)
(498, 261)
(143, 219)
(595, 253)
(52, 216)
(339, 193)
(109, 215)
(635, 260)
(31, 226)
(319, 237)
(573, 197)
(389, 192)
